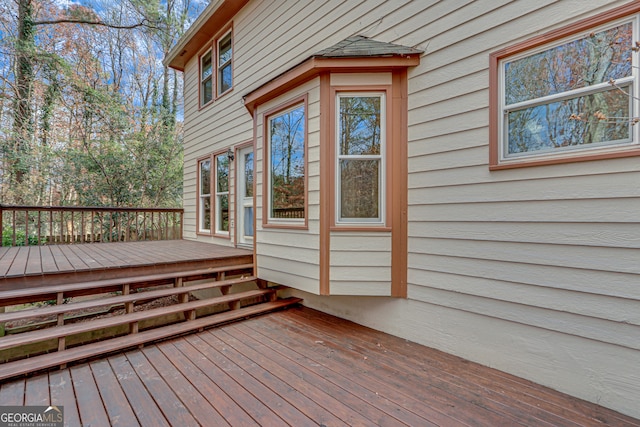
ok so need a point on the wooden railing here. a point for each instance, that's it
(288, 213)
(42, 225)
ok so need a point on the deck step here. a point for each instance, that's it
(108, 322)
(45, 361)
(137, 297)
(21, 296)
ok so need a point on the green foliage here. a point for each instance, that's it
(106, 130)
(21, 238)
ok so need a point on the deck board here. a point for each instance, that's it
(6, 260)
(90, 404)
(33, 266)
(118, 409)
(62, 393)
(299, 367)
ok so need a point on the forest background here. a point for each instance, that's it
(89, 115)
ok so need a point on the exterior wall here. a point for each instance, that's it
(533, 271)
(291, 256)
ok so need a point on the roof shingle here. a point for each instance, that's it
(360, 46)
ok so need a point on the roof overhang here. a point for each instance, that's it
(208, 24)
(315, 66)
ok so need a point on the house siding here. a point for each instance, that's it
(533, 271)
(291, 256)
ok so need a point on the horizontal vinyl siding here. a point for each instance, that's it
(533, 271)
(290, 256)
(552, 249)
(360, 264)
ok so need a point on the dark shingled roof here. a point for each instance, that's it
(360, 46)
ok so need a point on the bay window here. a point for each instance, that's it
(286, 148)
(360, 158)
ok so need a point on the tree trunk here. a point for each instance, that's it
(22, 120)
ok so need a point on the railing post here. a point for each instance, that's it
(14, 227)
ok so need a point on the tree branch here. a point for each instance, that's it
(143, 23)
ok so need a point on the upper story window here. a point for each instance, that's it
(573, 99)
(204, 196)
(286, 138)
(206, 78)
(222, 194)
(360, 158)
(225, 69)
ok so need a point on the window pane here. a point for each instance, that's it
(205, 177)
(224, 49)
(248, 175)
(222, 206)
(359, 125)
(222, 173)
(248, 221)
(207, 90)
(286, 138)
(592, 119)
(206, 213)
(595, 59)
(359, 182)
(226, 80)
(206, 66)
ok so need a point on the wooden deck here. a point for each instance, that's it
(297, 367)
(29, 266)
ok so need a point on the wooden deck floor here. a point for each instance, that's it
(300, 368)
(29, 265)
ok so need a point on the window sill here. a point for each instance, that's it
(540, 161)
(361, 227)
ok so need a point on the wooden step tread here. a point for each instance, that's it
(53, 290)
(25, 366)
(121, 299)
(72, 329)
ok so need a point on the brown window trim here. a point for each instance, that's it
(302, 225)
(584, 25)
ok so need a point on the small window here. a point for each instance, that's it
(222, 194)
(572, 98)
(225, 56)
(204, 196)
(286, 145)
(206, 78)
(360, 160)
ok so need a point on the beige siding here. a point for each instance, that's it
(533, 271)
(360, 263)
(288, 256)
(522, 254)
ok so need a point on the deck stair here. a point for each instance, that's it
(226, 293)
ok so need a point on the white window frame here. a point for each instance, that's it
(204, 79)
(577, 151)
(219, 195)
(382, 174)
(221, 66)
(202, 198)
